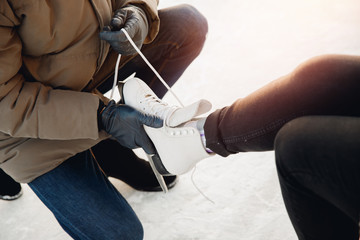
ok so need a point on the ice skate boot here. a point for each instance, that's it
(137, 94)
(9, 189)
(179, 148)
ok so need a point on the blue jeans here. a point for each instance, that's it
(84, 202)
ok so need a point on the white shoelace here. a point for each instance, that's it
(157, 107)
(147, 62)
(155, 102)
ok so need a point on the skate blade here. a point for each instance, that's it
(158, 176)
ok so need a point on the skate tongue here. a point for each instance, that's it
(185, 114)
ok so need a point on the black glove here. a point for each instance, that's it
(133, 19)
(125, 124)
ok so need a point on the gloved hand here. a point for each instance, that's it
(133, 19)
(125, 124)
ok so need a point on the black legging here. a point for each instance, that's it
(318, 163)
(317, 151)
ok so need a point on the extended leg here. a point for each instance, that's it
(326, 85)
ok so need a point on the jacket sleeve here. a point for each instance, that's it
(31, 109)
(150, 8)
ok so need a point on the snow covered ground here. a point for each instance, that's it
(249, 44)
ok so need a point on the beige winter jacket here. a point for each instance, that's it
(50, 53)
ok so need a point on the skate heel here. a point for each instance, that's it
(154, 160)
(120, 85)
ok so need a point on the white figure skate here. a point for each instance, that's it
(178, 148)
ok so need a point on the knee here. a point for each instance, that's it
(316, 64)
(197, 22)
(191, 23)
(325, 67)
(291, 143)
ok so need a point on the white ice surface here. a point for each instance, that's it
(249, 44)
